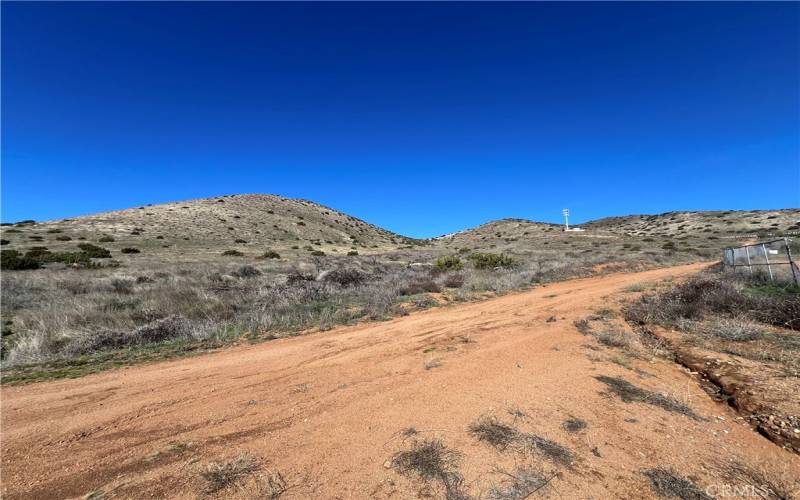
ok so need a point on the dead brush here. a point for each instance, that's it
(759, 482)
(574, 424)
(629, 393)
(428, 459)
(668, 484)
(493, 432)
(220, 475)
(522, 483)
(431, 460)
(615, 338)
(502, 436)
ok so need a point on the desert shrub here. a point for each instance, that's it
(453, 280)
(63, 238)
(232, 253)
(12, 260)
(720, 295)
(122, 285)
(270, 254)
(352, 253)
(317, 253)
(734, 329)
(130, 250)
(94, 251)
(239, 240)
(220, 475)
(105, 239)
(448, 263)
(426, 285)
(346, 277)
(4, 242)
(296, 277)
(246, 272)
(491, 260)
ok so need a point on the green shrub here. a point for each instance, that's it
(233, 253)
(491, 260)
(106, 239)
(94, 251)
(448, 263)
(53, 231)
(12, 260)
(270, 254)
(130, 250)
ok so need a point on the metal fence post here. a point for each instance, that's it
(764, 248)
(791, 262)
(749, 266)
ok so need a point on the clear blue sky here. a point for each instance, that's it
(422, 118)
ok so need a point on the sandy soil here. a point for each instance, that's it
(326, 410)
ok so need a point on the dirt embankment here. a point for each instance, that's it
(491, 391)
(767, 400)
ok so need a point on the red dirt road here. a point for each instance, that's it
(326, 410)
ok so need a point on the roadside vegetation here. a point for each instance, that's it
(740, 333)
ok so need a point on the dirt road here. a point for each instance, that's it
(327, 411)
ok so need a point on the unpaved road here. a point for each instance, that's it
(326, 410)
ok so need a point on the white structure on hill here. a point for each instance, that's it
(566, 222)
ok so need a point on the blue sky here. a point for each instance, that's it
(422, 118)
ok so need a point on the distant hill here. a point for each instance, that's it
(729, 222)
(248, 223)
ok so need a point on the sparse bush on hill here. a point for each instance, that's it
(94, 251)
(346, 277)
(63, 238)
(4, 242)
(448, 263)
(454, 280)
(352, 253)
(317, 253)
(105, 239)
(232, 253)
(491, 260)
(12, 260)
(130, 250)
(420, 286)
(270, 254)
(246, 272)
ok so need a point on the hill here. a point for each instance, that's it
(248, 223)
(730, 223)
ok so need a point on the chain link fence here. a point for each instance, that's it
(771, 260)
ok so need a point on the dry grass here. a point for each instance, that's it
(430, 460)
(668, 484)
(629, 393)
(220, 475)
(522, 483)
(502, 436)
